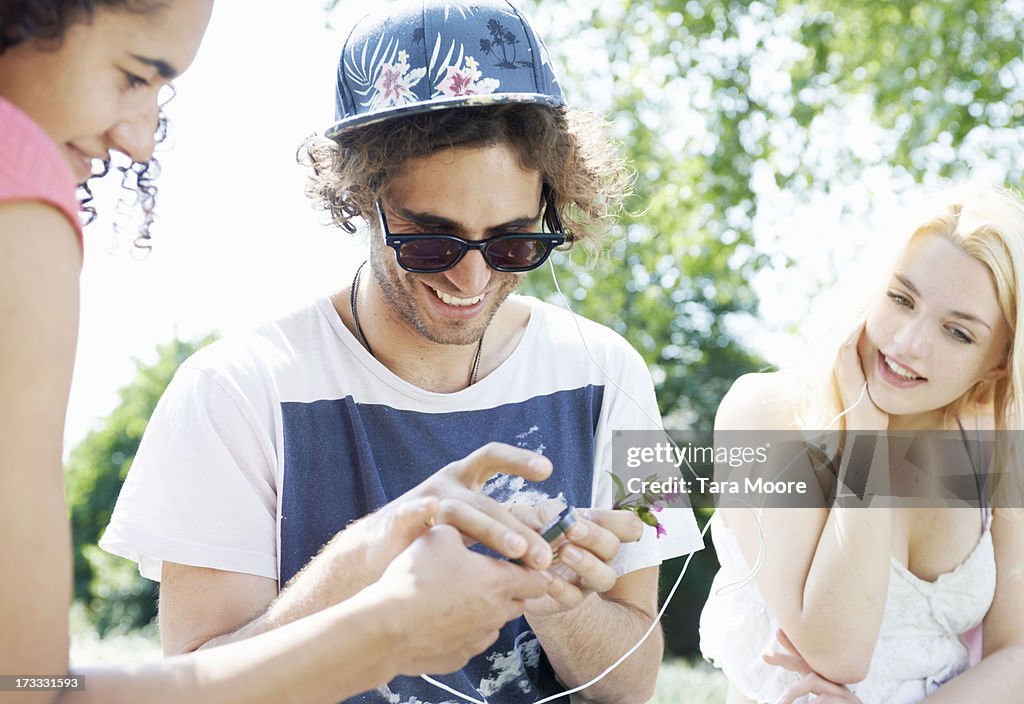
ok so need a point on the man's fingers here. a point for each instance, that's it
(590, 536)
(489, 523)
(514, 609)
(495, 457)
(626, 526)
(565, 593)
(413, 516)
(520, 583)
(593, 572)
(538, 554)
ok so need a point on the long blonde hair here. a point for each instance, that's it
(987, 224)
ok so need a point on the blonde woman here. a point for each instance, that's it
(853, 604)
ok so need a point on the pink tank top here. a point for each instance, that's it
(32, 168)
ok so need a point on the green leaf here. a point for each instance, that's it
(620, 488)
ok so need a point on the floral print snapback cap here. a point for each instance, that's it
(411, 57)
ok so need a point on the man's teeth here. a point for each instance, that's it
(898, 370)
(453, 301)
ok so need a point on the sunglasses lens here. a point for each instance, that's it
(429, 254)
(516, 253)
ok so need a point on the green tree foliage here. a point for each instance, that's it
(721, 104)
(944, 79)
(111, 589)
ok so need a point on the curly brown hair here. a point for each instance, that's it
(584, 171)
(24, 20)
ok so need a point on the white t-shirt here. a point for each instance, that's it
(265, 445)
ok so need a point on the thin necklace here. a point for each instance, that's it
(474, 372)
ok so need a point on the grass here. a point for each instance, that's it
(87, 647)
(683, 682)
(679, 682)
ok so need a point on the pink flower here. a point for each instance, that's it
(465, 80)
(395, 82)
(457, 82)
(661, 531)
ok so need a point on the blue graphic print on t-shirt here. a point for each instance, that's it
(344, 459)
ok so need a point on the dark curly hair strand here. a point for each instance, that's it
(24, 20)
(583, 169)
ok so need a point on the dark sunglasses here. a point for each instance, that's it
(433, 252)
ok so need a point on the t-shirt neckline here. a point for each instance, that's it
(385, 375)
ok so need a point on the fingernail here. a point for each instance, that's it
(515, 544)
(572, 554)
(578, 531)
(541, 557)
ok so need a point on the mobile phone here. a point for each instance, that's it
(558, 526)
(553, 533)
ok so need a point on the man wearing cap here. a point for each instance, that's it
(423, 377)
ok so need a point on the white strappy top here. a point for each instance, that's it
(920, 645)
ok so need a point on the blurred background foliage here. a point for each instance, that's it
(732, 114)
(115, 597)
(723, 106)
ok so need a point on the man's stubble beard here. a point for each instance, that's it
(398, 288)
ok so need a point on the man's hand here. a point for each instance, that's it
(447, 603)
(357, 556)
(591, 546)
(480, 518)
(385, 533)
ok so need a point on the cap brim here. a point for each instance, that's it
(464, 101)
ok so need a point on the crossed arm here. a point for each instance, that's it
(813, 593)
(997, 678)
(806, 580)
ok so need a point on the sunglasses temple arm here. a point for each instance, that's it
(551, 219)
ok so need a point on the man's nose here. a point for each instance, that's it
(471, 274)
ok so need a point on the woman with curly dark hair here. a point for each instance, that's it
(77, 80)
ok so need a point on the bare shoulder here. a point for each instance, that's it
(39, 267)
(762, 401)
(33, 232)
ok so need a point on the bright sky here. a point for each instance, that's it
(237, 242)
